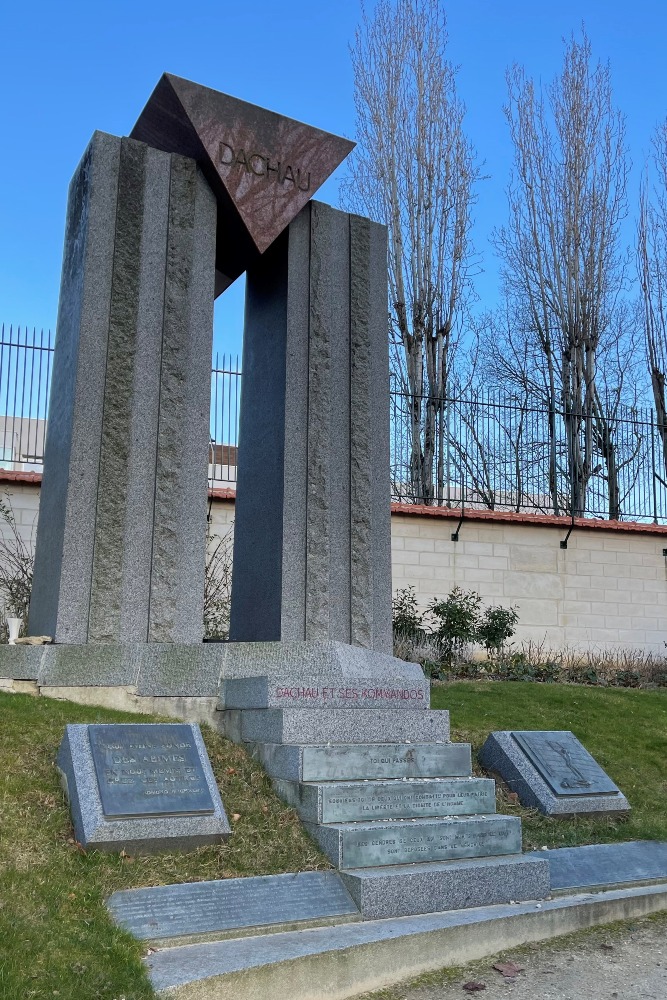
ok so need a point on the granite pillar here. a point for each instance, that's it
(312, 532)
(121, 536)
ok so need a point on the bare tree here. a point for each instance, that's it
(564, 268)
(414, 169)
(652, 268)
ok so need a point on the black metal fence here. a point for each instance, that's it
(481, 450)
(498, 451)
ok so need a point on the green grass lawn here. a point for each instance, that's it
(625, 730)
(56, 939)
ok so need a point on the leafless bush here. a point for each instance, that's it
(16, 568)
(218, 586)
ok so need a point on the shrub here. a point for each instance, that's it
(407, 619)
(457, 621)
(495, 627)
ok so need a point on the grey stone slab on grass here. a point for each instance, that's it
(145, 835)
(371, 845)
(316, 658)
(404, 890)
(346, 802)
(206, 908)
(503, 755)
(336, 725)
(20, 663)
(605, 864)
(362, 762)
(308, 691)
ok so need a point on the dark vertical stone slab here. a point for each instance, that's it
(341, 418)
(378, 335)
(256, 594)
(138, 538)
(295, 420)
(179, 532)
(119, 592)
(129, 404)
(327, 396)
(360, 435)
(319, 429)
(65, 534)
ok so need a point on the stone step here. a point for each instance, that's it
(359, 762)
(369, 955)
(371, 845)
(404, 890)
(346, 802)
(336, 725)
(233, 907)
(299, 690)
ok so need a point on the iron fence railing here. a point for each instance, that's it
(480, 449)
(498, 451)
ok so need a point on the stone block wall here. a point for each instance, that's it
(606, 590)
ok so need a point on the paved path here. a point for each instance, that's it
(627, 961)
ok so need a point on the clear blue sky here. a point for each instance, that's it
(71, 67)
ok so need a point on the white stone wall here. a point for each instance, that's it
(23, 500)
(607, 590)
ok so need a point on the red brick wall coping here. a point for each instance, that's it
(511, 517)
(452, 513)
(7, 476)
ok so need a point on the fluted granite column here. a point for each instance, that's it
(312, 529)
(121, 534)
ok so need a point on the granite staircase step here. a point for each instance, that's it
(301, 726)
(402, 890)
(408, 841)
(365, 761)
(410, 798)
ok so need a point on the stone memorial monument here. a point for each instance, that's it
(552, 772)
(207, 187)
(141, 788)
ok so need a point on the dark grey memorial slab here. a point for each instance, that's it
(364, 762)
(371, 845)
(404, 890)
(552, 772)
(155, 781)
(149, 770)
(345, 802)
(605, 864)
(565, 764)
(199, 909)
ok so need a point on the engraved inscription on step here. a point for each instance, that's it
(386, 760)
(566, 765)
(408, 799)
(206, 907)
(439, 841)
(149, 770)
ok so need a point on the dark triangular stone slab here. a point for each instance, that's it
(262, 166)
